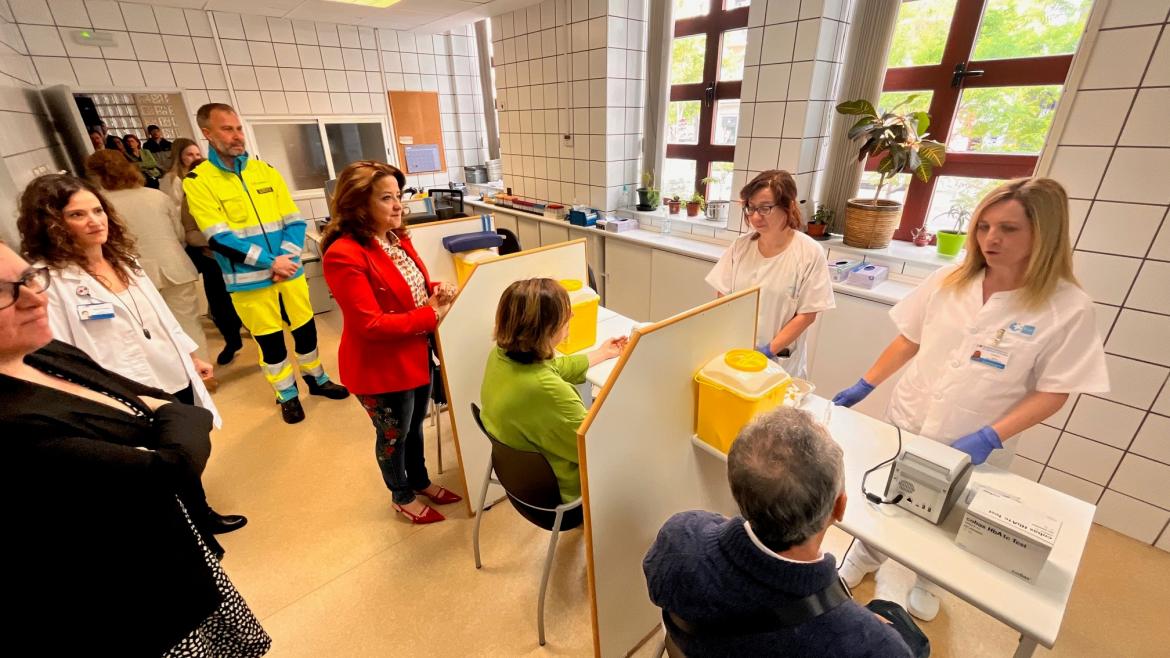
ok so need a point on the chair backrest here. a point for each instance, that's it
(511, 242)
(525, 475)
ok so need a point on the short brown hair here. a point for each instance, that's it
(530, 314)
(112, 171)
(783, 187)
(349, 206)
(45, 237)
(203, 115)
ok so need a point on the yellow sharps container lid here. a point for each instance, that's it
(745, 360)
(571, 285)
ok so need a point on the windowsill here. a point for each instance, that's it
(899, 250)
(662, 215)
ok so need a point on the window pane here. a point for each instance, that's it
(955, 192)
(890, 99)
(726, 121)
(921, 32)
(894, 188)
(689, 8)
(679, 178)
(350, 142)
(1030, 28)
(1003, 119)
(682, 122)
(686, 59)
(720, 189)
(295, 149)
(731, 55)
(735, 4)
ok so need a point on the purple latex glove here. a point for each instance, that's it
(766, 349)
(979, 444)
(853, 394)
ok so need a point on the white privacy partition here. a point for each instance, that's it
(634, 472)
(428, 242)
(465, 340)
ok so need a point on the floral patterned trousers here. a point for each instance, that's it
(398, 443)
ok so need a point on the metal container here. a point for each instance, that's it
(475, 174)
(717, 211)
(495, 169)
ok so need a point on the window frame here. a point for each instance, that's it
(713, 25)
(944, 106)
(321, 122)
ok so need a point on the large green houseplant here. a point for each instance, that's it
(899, 140)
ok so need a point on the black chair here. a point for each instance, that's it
(511, 242)
(532, 488)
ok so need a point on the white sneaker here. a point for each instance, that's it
(923, 604)
(851, 573)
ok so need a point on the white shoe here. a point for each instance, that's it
(851, 573)
(923, 604)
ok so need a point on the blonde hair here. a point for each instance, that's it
(530, 314)
(1046, 205)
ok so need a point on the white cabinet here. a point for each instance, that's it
(627, 279)
(677, 283)
(552, 234)
(849, 339)
(506, 220)
(528, 231)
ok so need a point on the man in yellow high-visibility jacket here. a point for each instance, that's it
(256, 232)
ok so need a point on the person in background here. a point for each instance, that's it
(389, 308)
(144, 159)
(159, 147)
(100, 470)
(994, 345)
(219, 302)
(103, 304)
(152, 218)
(789, 267)
(739, 586)
(97, 140)
(102, 128)
(114, 143)
(528, 395)
(257, 233)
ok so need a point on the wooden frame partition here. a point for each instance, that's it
(638, 466)
(465, 340)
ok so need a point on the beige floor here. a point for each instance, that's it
(332, 571)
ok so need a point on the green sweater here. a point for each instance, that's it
(534, 407)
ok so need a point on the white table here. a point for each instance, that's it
(1034, 609)
(612, 326)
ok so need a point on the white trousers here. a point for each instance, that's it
(870, 559)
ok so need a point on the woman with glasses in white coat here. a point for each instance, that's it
(992, 346)
(789, 267)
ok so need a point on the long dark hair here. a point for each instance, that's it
(45, 237)
(351, 199)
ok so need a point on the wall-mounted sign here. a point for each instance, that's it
(422, 158)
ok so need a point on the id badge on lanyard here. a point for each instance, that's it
(95, 309)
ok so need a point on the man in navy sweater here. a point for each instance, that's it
(760, 585)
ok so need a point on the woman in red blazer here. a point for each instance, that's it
(389, 307)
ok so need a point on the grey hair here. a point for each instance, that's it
(785, 473)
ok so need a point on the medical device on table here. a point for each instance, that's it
(927, 478)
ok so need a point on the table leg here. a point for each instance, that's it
(1026, 647)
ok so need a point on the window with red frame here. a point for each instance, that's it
(990, 73)
(702, 115)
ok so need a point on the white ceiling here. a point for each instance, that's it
(423, 16)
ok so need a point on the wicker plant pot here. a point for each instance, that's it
(870, 225)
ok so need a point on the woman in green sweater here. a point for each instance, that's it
(528, 395)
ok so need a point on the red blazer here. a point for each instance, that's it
(384, 337)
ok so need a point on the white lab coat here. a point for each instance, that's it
(946, 393)
(794, 281)
(114, 344)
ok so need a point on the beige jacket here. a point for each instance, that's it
(152, 218)
(173, 185)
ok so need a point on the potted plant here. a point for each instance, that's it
(899, 139)
(695, 204)
(818, 226)
(672, 204)
(951, 241)
(648, 195)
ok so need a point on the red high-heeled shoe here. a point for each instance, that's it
(429, 515)
(444, 497)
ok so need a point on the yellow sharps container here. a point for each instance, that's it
(466, 261)
(583, 325)
(733, 388)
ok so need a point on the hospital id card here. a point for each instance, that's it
(991, 356)
(98, 311)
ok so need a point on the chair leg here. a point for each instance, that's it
(439, 434)
(548, 561)
(487, 480)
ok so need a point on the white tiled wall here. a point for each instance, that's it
(572, 67)
(1113, 156)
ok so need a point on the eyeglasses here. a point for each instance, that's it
(764, 210)
(36, 280)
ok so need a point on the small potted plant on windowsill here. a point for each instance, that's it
(951, 241)
(695, 204)
(818, 226)
(648, 195)
(672, 204)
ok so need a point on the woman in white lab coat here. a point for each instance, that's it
(994, 345)
(789, 267)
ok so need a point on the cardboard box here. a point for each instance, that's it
(867, 275)
(1008, 534)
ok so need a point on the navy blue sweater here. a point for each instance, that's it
(705, 569)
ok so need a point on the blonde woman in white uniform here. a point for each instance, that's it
(994, 345)
(789, 267)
